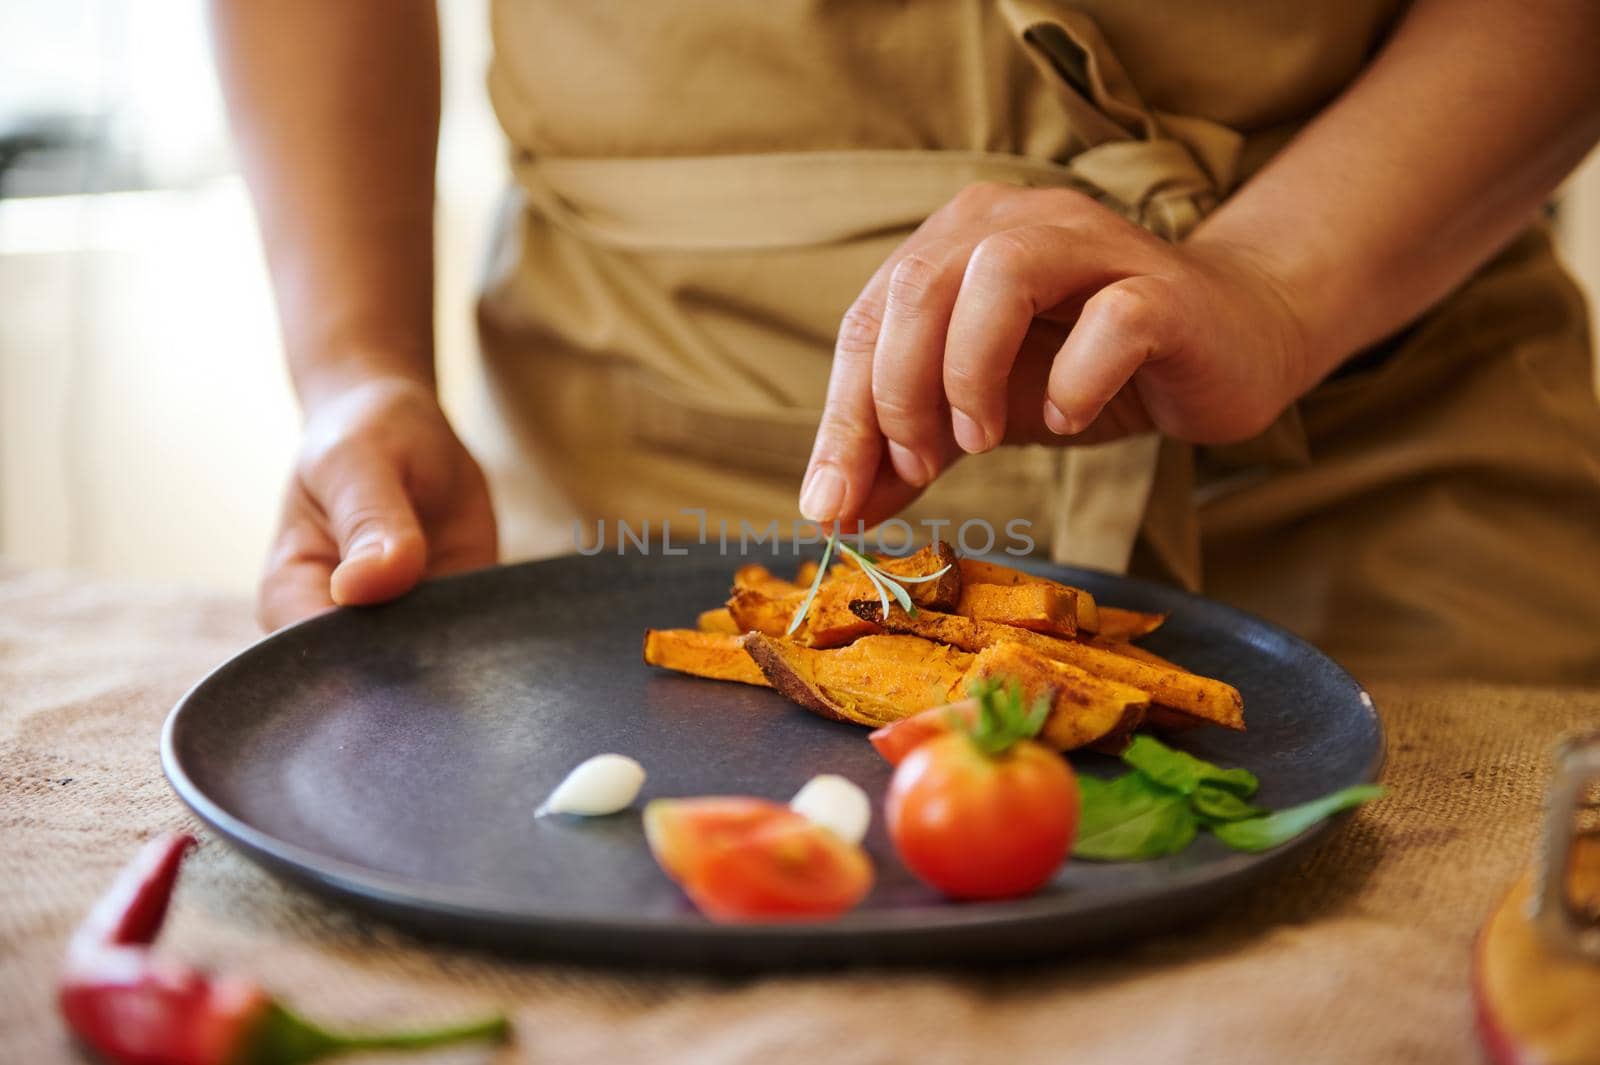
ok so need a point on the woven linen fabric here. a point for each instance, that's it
(1361, 953)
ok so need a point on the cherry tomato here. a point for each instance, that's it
(899, 739)
(741, 859)
(980, 826)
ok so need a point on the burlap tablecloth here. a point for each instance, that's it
(1359, 955)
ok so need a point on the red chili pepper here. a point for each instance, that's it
(134, 1008)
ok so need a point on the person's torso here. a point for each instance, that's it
(619, 78)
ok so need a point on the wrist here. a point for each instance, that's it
(1280, 312)
(328, 379)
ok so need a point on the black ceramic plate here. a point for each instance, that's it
(391, 758)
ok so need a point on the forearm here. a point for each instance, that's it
(1434, 159)
(335, 107)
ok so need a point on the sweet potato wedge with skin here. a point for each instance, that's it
(1160, 718)
(828, 623)
(1084, 709)
(755, 575)
(1119, 624)
(1166, 719)
(1203, 697)
(941, 594)
(714, 655)
(976, 571)
(755, 610)
(874, 681)
(718, 620)
(1048, 608)
(1129, 650)
(761, 603)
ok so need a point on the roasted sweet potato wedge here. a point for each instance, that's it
(717, 655)
(718, 620)
(1048, 608)
(1160, 718)
(762, 603)
(874, 681)
(1130, 650)
(828, 623)
(754, 575)
(1203, 697)
(1119, 624)
(976, 571)
(1084, 709)
(755, 610)
(941, 594)
(1166, 719)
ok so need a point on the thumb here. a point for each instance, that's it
(382, 550)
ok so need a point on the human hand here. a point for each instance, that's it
(1017, 315)
(383, 494)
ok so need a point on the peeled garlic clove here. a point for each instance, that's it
(602, 785)
(836, 804)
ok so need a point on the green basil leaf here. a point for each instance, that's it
(1264, 833)
(1216, 804)
(1183, 772)
(1130, 819)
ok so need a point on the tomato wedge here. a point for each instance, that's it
(743, 859)
(896, 741)
(682, 832)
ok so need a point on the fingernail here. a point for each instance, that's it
(822, 496)
(1055, 421)
(909, 465)
(973, 438)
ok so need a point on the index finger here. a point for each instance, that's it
(844, 458)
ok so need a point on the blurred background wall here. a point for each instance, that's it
(146, 424)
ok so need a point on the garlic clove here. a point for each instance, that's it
(836, 804)
(602, 785)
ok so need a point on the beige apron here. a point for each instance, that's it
(705, 186)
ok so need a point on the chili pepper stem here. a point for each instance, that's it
(285, 1038)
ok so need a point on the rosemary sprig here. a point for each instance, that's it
(884, 583)
(816, 582)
